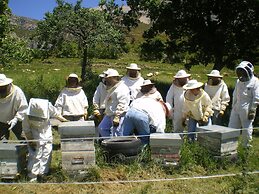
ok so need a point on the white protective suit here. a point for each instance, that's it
(99, 96)
(245, 100)
(219, 96)
(36, 125)
(117, 100)
(154, 110)
(133, 85)
(198, 109)
(13, 106)
(175, 97)
(72, 102)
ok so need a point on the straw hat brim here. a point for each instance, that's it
(212, 75)
(6, 82)
(197, 85)
(133, 68)
(147, 84)
(187, 75)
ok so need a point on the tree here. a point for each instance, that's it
(11, 47)
(89, 27)
(217, 31)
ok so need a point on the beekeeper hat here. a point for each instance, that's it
(146, 83)
(111, 73)
(192, 84)
(214, 73)
(133, 66)
(4, 80)
(38, 108)
(181, 74)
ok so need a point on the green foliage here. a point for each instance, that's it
(193, 155)
(152, 50)
(218, 32)
(14, 49)
(90, 28)
(41, 87)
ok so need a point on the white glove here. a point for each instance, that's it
(12, 123)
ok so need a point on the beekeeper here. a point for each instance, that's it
(72, 102)
(133, 80)
(245, 101)
(197, 107)
(175, 97)
(218, 92)
(116, 104)
(146, 115)
(148, 89)
(37, 129)
(13, 105)
(98, 99)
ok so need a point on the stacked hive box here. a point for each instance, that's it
(12, 160)
(220, 141)
(166, 147)
(77, 154)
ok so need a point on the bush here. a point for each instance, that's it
(14, 49)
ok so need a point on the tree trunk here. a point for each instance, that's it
(86, 73)
(219, 63)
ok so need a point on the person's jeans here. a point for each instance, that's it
(106, 128)
(192, 126)
(136, 120)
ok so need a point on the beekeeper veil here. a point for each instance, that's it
(38, 112)
(244, 71)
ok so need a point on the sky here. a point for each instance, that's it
(36, 9)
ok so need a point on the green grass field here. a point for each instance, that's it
(46, 78)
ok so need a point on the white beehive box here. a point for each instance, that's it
(219, 140)
(77, 155)
(77, 129)
(165, 146)
(12, 160)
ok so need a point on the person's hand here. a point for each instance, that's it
(205, 119)
(62, 119)
(251, 115)
(116, 121)
(183, 122)
(33, 145)
(12, 123)
(221, 113)
(85, 116)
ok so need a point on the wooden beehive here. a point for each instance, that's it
(219, 140)
(77, 155)
(12, 160)
(77, 129)
(165, 146)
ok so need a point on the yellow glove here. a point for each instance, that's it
(62, 119)
(251, 114)
(116, 121)
(221, 113)
(205, 119)
(85, 116)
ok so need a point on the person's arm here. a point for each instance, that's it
(59, 103)
(225, 98)
(255, 101)
(20, 106)
(53, 112)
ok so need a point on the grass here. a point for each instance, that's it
(46, 78)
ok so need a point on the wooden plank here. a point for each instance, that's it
(79, 145)
(77, 129)
(80, 160)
